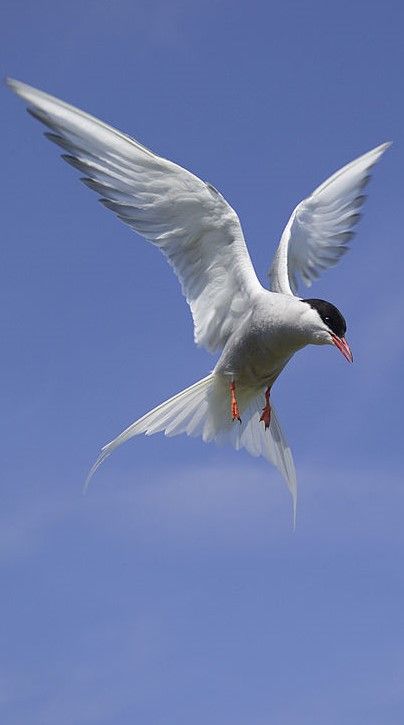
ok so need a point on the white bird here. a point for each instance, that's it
(256, 330)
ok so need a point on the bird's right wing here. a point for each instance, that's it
(191, 222)
(319, 229)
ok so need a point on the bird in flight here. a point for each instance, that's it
(255, 330)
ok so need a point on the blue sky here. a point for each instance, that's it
(176, 592)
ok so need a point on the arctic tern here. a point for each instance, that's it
(256, 330)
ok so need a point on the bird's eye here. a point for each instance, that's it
(326, 319)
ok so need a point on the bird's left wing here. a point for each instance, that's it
(186, 218)
(319, 229)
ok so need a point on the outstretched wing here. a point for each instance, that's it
(318, 232)
(189, 220)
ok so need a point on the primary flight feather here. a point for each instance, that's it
(256, 330)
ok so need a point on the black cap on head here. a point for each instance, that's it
(330, 315)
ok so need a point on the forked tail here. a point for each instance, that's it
(204, 410)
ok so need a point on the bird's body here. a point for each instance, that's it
(259, 349)
(256, 331)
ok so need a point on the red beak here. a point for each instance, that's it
(343, 347)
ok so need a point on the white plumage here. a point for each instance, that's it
(256, 330)
(319, 229)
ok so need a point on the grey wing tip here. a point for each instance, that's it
(12, 83)
(58, 140)
(75, 162)
(17, 87)
(109, 204)
(377, 152)
(381, 148)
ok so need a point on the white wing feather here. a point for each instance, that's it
(319, 229)
(190, 222)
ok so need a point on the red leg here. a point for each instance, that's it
(266, 411)
(235, 413)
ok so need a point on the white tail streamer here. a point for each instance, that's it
(203, 410)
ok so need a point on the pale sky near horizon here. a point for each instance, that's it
(175, 592)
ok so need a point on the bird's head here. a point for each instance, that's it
(328, 326)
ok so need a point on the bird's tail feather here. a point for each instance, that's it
(203, 410)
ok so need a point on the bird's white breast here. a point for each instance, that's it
(258, 351)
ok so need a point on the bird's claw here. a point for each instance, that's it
(235, 413)
(266, 411)
(266, 416)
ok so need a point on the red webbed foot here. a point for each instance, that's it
(266, 411)
(235, 413)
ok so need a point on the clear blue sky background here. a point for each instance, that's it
(175, 592)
